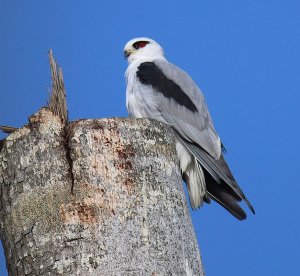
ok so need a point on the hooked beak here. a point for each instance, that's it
(127, 53)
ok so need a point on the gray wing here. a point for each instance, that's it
(181, 103)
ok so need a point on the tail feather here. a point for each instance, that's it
(249, 205)
(208, 178)
(229, 190)
(195, 180)
(227, 201)
(225, 196)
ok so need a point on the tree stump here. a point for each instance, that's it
(100, 197)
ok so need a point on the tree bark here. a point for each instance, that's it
(101, 197)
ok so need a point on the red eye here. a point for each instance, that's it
(140, 44)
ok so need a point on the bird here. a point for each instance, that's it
(157, 89)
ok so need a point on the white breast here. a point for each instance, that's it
(141, 100)
(133, 99)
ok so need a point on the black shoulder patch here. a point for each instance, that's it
(150, 74)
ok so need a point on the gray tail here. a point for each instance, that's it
(225, 196)
(220, 183)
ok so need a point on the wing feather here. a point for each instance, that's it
(180, 102)
(168, 94)
(218, 169)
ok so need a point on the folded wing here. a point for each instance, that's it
(182, 105)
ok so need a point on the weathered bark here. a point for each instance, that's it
(102, 198)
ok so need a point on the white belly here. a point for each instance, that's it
(141, 100)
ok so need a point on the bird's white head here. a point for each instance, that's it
(143, 48)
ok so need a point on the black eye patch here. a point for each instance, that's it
(140, 44)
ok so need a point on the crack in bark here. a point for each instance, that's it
(26, 234)
(1, 196)
(2, 144)
(68, 156)
(74, 239)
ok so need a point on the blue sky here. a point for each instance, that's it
(245, 57)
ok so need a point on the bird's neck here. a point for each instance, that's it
(141, 58)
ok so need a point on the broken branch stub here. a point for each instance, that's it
(57, 102)
(57, 99)
(8, 129)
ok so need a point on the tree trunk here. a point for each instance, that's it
(101, 197)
